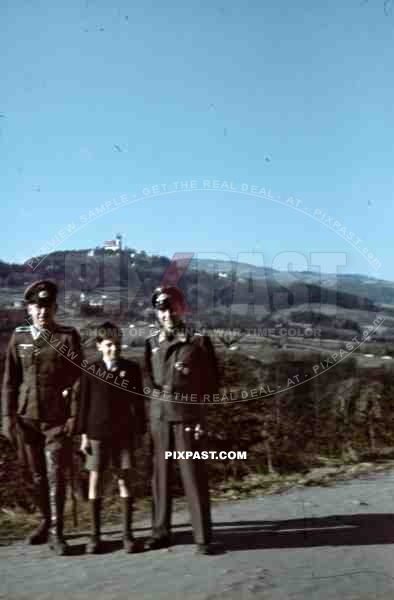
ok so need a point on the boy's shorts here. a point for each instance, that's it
(104, 452)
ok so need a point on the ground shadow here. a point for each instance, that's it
(307, 532)
(109, 546)
(87, 532)
(75, 549)
(333, 530)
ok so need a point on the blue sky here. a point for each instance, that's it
(102, 99)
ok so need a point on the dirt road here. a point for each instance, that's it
(309, 543)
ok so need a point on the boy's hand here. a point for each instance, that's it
(85, 444)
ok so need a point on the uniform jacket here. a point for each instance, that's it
(38, 371)
(184, 366)
(106, 408)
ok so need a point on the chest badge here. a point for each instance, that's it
(180, 366)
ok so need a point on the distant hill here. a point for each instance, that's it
(221, 291)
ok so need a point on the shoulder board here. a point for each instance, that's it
(128, 363)
(64, 328)
(202, 339)
(199, 336)
(93, 363)
(153, 333)
(22, 328)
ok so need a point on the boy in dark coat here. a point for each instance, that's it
(111, 421)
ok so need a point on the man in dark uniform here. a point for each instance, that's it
(180, 370)
(38, 407)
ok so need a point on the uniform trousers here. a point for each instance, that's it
(47, 451)
(171, 436)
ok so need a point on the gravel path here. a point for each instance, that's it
(309, 543)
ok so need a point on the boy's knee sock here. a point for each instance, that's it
(95, 506)
(127, 516)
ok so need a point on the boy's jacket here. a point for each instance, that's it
(111, 403)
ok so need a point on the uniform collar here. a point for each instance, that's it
(112, 365)
(36, 333)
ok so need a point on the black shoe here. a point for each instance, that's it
(94, 545)
(156, 543)
(205, 549)
(131, 545)
(58, 544)
(39, 535)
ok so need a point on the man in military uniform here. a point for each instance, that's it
(180, 369)
(38, 407)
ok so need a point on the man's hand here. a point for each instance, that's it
(9, 429)
(69, 426)
(85, 444)
(198, 432)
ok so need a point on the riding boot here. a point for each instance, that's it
(94, 544)
(41, 496)
(129, 543)
(57, 496)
